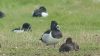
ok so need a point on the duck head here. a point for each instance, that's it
(42, 9)
(54, 25)
(69, 40)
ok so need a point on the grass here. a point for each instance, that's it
(77, 18)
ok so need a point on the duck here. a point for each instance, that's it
(40, 12)
(69, 45)
(1, 14)
(53, 35)
(25, 27)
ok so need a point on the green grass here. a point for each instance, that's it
(79, 19)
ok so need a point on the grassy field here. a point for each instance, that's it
(79, 19)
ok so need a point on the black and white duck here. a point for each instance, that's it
(1, 14)
(53, 35)
(40, 12)
(25, 27)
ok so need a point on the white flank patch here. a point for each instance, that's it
(48, 39)
(18, 31)
(44, 14)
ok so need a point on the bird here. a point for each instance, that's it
(18, 30)
(53, 35)
(25, 27)
(1, 14)
(69, 46)
(40, 12)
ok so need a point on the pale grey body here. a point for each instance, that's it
(48, 39)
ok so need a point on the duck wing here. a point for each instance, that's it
(65, 48)
(56, 34)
